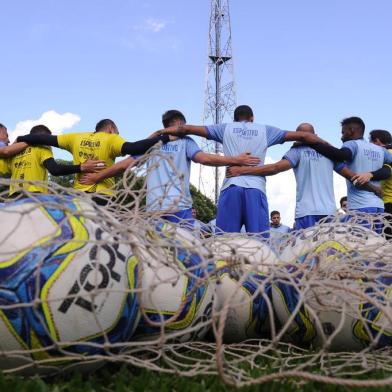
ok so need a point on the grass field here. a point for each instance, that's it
(119, 379)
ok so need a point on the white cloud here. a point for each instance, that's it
(152, 25)
(281, 189)
(56, 122)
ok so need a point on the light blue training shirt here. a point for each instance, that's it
(168, 189)
(278, 231)
(242, 137)
(366, 157)
(314, 177)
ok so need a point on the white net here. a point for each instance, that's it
(82, 285)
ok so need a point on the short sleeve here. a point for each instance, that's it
(387, 156)
(352, 146)
(116, 143)
(191, 148)
(45, 153)
(339, 166)
(66, 141)
(216, 132)
(293, 156)
(274, 135)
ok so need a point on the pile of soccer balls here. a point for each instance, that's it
(74, 282)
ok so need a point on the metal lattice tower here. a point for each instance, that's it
(220, 97)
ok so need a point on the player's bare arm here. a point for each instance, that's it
(365, 186)
(94, 178)
(382, 174)
(13, 149)
(218, 160)
(266, 170)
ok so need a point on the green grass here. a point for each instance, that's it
(121, 379)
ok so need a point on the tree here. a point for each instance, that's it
(65, 181)
(205, 208)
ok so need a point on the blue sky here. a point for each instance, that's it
(130, 60)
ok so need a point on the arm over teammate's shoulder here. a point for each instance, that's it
(304, 137)
(12, 150)
(142, 146)
(344, 154)
(39, 139)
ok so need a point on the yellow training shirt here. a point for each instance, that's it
(98, 145)
(386, 186)
(28, 166)
(4, 167)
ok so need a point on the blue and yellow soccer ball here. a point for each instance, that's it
(176, 302)
(243, 300)
(334, 300)
(67, 284)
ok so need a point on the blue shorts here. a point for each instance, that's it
(377, 224)
(307, 221)
(184, 217)
(370, 210)
(239, 206)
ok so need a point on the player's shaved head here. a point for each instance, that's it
(305, 127)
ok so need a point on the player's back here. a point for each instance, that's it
(314, 178)
(367, 157)
(93, 145)
(168, 177)
(27, 166)
(242, 137)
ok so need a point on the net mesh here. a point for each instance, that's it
(82, 285)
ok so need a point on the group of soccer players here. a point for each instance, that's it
(242, 200)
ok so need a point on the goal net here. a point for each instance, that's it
(82, 285)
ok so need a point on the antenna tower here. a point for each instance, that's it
(220, 97)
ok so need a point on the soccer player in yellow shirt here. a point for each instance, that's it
(7, 151)
(104, 144)
(33, 163)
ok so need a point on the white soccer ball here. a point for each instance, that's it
(318, 318)
(67, 283)
(177, 295)
(242, 304)
(337, 299)
(243, 251)
(350, 236)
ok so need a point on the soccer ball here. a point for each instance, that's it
(177, 295)
(244, 251)
(349, 235)
(336, 300)
(242, 299)
(67, 283)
